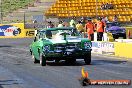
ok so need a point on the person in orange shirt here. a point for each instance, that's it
(90, 29)
(100, 29)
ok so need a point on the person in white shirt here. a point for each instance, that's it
(60, 24)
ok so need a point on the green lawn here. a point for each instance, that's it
(11, 5)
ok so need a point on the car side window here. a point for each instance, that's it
(48, 34)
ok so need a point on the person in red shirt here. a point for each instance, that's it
(90, 29)
(100, 29)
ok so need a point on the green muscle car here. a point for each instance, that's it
(60, 44)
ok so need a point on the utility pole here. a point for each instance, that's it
(1, 15)
(96, 9)
(24, 19)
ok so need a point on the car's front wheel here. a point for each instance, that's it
(42, 60)
(124, 36)
(87, 58)
(30, 51)
(34, 59)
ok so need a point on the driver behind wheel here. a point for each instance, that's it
(48, 34)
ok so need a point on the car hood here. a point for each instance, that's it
(115, 28)
(61, 40)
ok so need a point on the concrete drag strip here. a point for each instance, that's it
(9, 80)
(21, 49)
(23, 71)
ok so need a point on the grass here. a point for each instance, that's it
(8, 6)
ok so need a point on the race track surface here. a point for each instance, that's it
(17, 69)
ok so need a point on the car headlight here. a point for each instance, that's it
(46, 48)
(124, 30)
(87, 45)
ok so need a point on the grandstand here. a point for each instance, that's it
(91, 8)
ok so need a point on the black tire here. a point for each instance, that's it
(42, 60)
(34, 59)
(87, 58)
(124, 36)
(30, 51)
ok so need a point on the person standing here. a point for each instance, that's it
(79, 27)
(100, 29)
(50, 25)
(60, 24)
(72, 22)
(90, 29)
(115, 19)
(83, 21)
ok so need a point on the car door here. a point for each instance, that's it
(36, 46)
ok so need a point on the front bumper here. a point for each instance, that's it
(67, 53)
(116, 35)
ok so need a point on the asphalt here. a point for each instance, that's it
(17, 69)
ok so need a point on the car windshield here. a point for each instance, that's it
(112, 24)
(53, 33)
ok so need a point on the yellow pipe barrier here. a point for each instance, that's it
(123, 49)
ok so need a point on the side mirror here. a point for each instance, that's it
(35, 39)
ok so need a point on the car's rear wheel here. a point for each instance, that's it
(42, 60)
(87, 58)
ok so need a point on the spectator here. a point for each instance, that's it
(65, 24)
(111, 6)
(103, 6)
(100, 29)
(115, 19)
(72, 23)
(83, 19)
(50, 25)
(90, 29)
(60, 24)
(105, 19)
(79, 27)
(107, 6)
